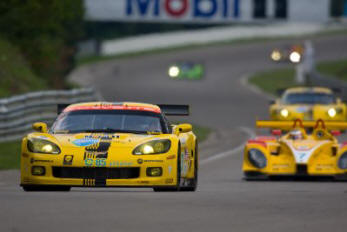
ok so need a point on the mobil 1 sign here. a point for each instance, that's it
(164, 10)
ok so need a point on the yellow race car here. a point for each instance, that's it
(105, 144)
(296, 153)
(308, 103)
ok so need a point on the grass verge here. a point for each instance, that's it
(336, 69)
(271, 81)
(10, 155)
(201, 133)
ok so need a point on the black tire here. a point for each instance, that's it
(178, 186)
(43, 188)
(193, 183)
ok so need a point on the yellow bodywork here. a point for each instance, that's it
(76, 164)
(316, 154)
(306, 111)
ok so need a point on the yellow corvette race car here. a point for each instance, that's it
(308, 103)
(296, 153)
(105, 144)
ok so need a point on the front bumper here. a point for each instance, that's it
(131, 173)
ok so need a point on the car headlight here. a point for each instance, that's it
(332, 112)
(284, 112)
(343, 161)
(257, 158)
(276, 55)
(153, 147)
(174, 71)
(36, 145)
(295, 57)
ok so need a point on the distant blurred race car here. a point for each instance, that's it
(308, 103)
(291, 54)
(106, 144)
(186, 70)
(296, 153)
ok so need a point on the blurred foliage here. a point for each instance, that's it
(46, 32)
(16, 75)
(336, 69)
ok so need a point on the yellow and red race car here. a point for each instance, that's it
(296, 153)
(104, 144)
(308, 103)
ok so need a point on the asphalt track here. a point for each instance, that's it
(223, 202)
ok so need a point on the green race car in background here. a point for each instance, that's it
(186, 71)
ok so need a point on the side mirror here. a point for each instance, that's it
(183, 128)
(335, 133)
(40, 127)
(276, 132)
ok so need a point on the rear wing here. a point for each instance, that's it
(175, 110)
(288, 125)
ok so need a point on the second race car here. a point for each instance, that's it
(308, 103)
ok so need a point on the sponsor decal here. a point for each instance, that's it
(169, 181)
(103, 163)
(95, 162)
(85, 142)
(184, 9)
(153, 161)
(302, 109)
(68, 160)
(32, 160)
(170, 169)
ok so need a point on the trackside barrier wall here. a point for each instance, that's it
(17, 113)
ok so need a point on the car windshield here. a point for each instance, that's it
(309, 98)
(109, 121)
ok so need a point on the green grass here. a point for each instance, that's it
(10, 155)
(201, 133)
(336, 69)
(16, 76)
(271, 81)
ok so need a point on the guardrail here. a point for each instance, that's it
(19, 112)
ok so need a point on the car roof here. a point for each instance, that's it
(136, 106)
(309, 90)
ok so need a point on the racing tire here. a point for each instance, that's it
(178, 186)
(42, 188)
(193, 183)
